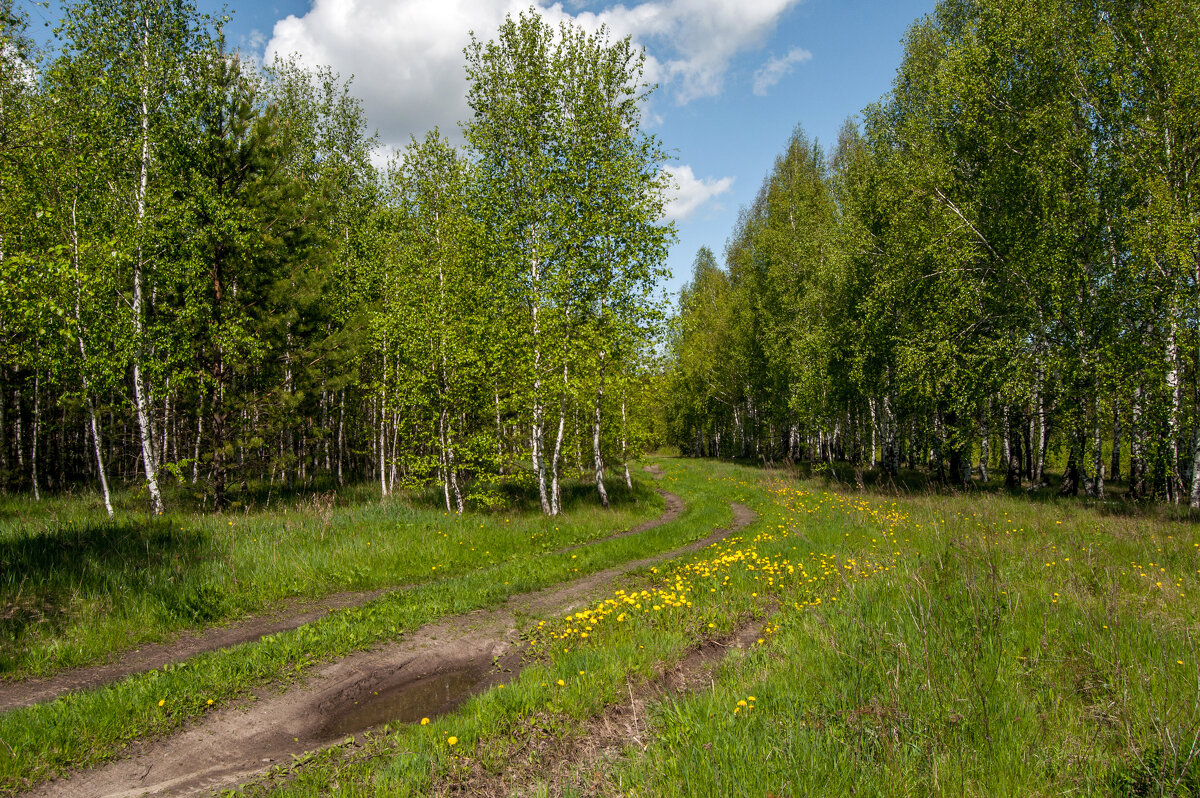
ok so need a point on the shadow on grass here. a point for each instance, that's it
(48, 574)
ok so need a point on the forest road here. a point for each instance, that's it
(292, 615)
(437, 667)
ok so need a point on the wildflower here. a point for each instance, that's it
(424, 721)
(209, 702)
(561, 683)
(162, 701)
(453, 741)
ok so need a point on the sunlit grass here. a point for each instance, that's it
(89, 727)
(957, 645)
(76, 587)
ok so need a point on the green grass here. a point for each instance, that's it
(76, 587)
(90, 727)
(930, 644)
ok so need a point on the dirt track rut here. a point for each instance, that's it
(292, 616)
(230, 746)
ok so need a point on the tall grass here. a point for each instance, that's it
(89, 727)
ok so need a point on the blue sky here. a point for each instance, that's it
(735, 76)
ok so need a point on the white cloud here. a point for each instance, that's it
(775, 69)
(692, 192)
(406, 56)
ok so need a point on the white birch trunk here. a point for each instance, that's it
(18, 430)
(383, 484)
(199, 437)
(139, 391)
(341, 435)
(985, 443)
(1137, 460)
(1097, 455)
(1114, 471)
(1175, 385)
(599, 459)
(556, 460)
(624, 434)
(1195, 494)
(37, 423)
(537, 430)
(871, 406)
(1008, 458)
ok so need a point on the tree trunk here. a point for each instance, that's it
(1195, 494)
(199, 438)
(1137, 458)
(985, 443)
(537, 429)
(1175, 385)
(556, 460)
(383, 485)
(139, 391)
(624, 459)
(164, 429)
(1073, 475)
(1039, 457)
(1096, 486)
(1114, 471)
(599, 459)
(341, 442)
(37, 423)
(3, 431)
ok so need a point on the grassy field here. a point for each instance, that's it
(978, 644)
(912, 645)
(76, 587)
(90, 727)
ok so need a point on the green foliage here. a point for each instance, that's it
(1001, 262)
(201, 250)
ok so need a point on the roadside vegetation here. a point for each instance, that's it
(76, 587)
(89, 727)
(949, 644)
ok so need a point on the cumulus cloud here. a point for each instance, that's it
(775, 69)
(407, 55)
(693, 41)
(692, 192)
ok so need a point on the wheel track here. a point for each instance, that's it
(230, 746)
(295, 614)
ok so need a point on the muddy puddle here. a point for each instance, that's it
(410, 700)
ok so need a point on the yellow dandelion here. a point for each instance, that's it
(424, 721)
(453, 741)
(162, 701)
